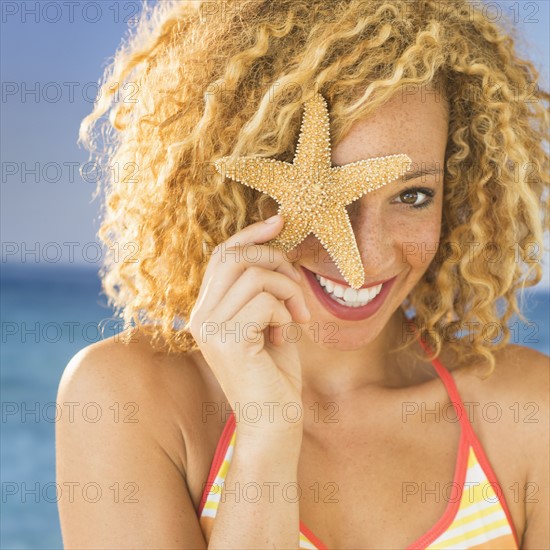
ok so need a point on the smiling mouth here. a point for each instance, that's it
(347, 296)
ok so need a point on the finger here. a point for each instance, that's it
(267, 312)
(254, 281)
(274, 335)
(225, 269)
(259, 232)
(256, 233)
(225, 272)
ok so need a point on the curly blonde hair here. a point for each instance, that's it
(198, 80)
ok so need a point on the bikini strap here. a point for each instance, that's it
(219, 456)
(469, 434)
(450, 386)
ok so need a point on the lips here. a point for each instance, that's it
(347, 303)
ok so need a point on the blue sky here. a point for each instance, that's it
(58, 49)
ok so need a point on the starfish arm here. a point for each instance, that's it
(295, 229)
(336, 235)
(313, 149)
(351, 181)
(270, 176)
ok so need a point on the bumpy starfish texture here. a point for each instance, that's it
(312, 195)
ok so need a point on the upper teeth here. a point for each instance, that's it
(346, 295)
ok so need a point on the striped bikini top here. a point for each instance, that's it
(478, 519)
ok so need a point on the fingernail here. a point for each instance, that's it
(273, 219)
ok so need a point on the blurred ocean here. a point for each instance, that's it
(48, 314)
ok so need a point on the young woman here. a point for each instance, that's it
(259, 402)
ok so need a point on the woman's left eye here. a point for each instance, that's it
(415, 197)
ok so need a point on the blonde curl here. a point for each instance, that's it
(209, 79)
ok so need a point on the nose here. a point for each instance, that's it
(373, 237)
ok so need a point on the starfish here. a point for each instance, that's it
(313, 195)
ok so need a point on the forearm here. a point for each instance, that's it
(258, 509)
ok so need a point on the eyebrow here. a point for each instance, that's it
(422, 172)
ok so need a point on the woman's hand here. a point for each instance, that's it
(249, 291)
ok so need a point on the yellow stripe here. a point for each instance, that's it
(472, 495)
(482, 491)
(478, 514)
(464, 537)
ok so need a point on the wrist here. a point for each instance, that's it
(282, 441)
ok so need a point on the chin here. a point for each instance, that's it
(338, 335)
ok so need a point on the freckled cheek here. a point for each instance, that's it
(417, 242)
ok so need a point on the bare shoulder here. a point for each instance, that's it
(510, 413)
(131, 381)
(518, 392)
(136, 435)
(520, 374)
